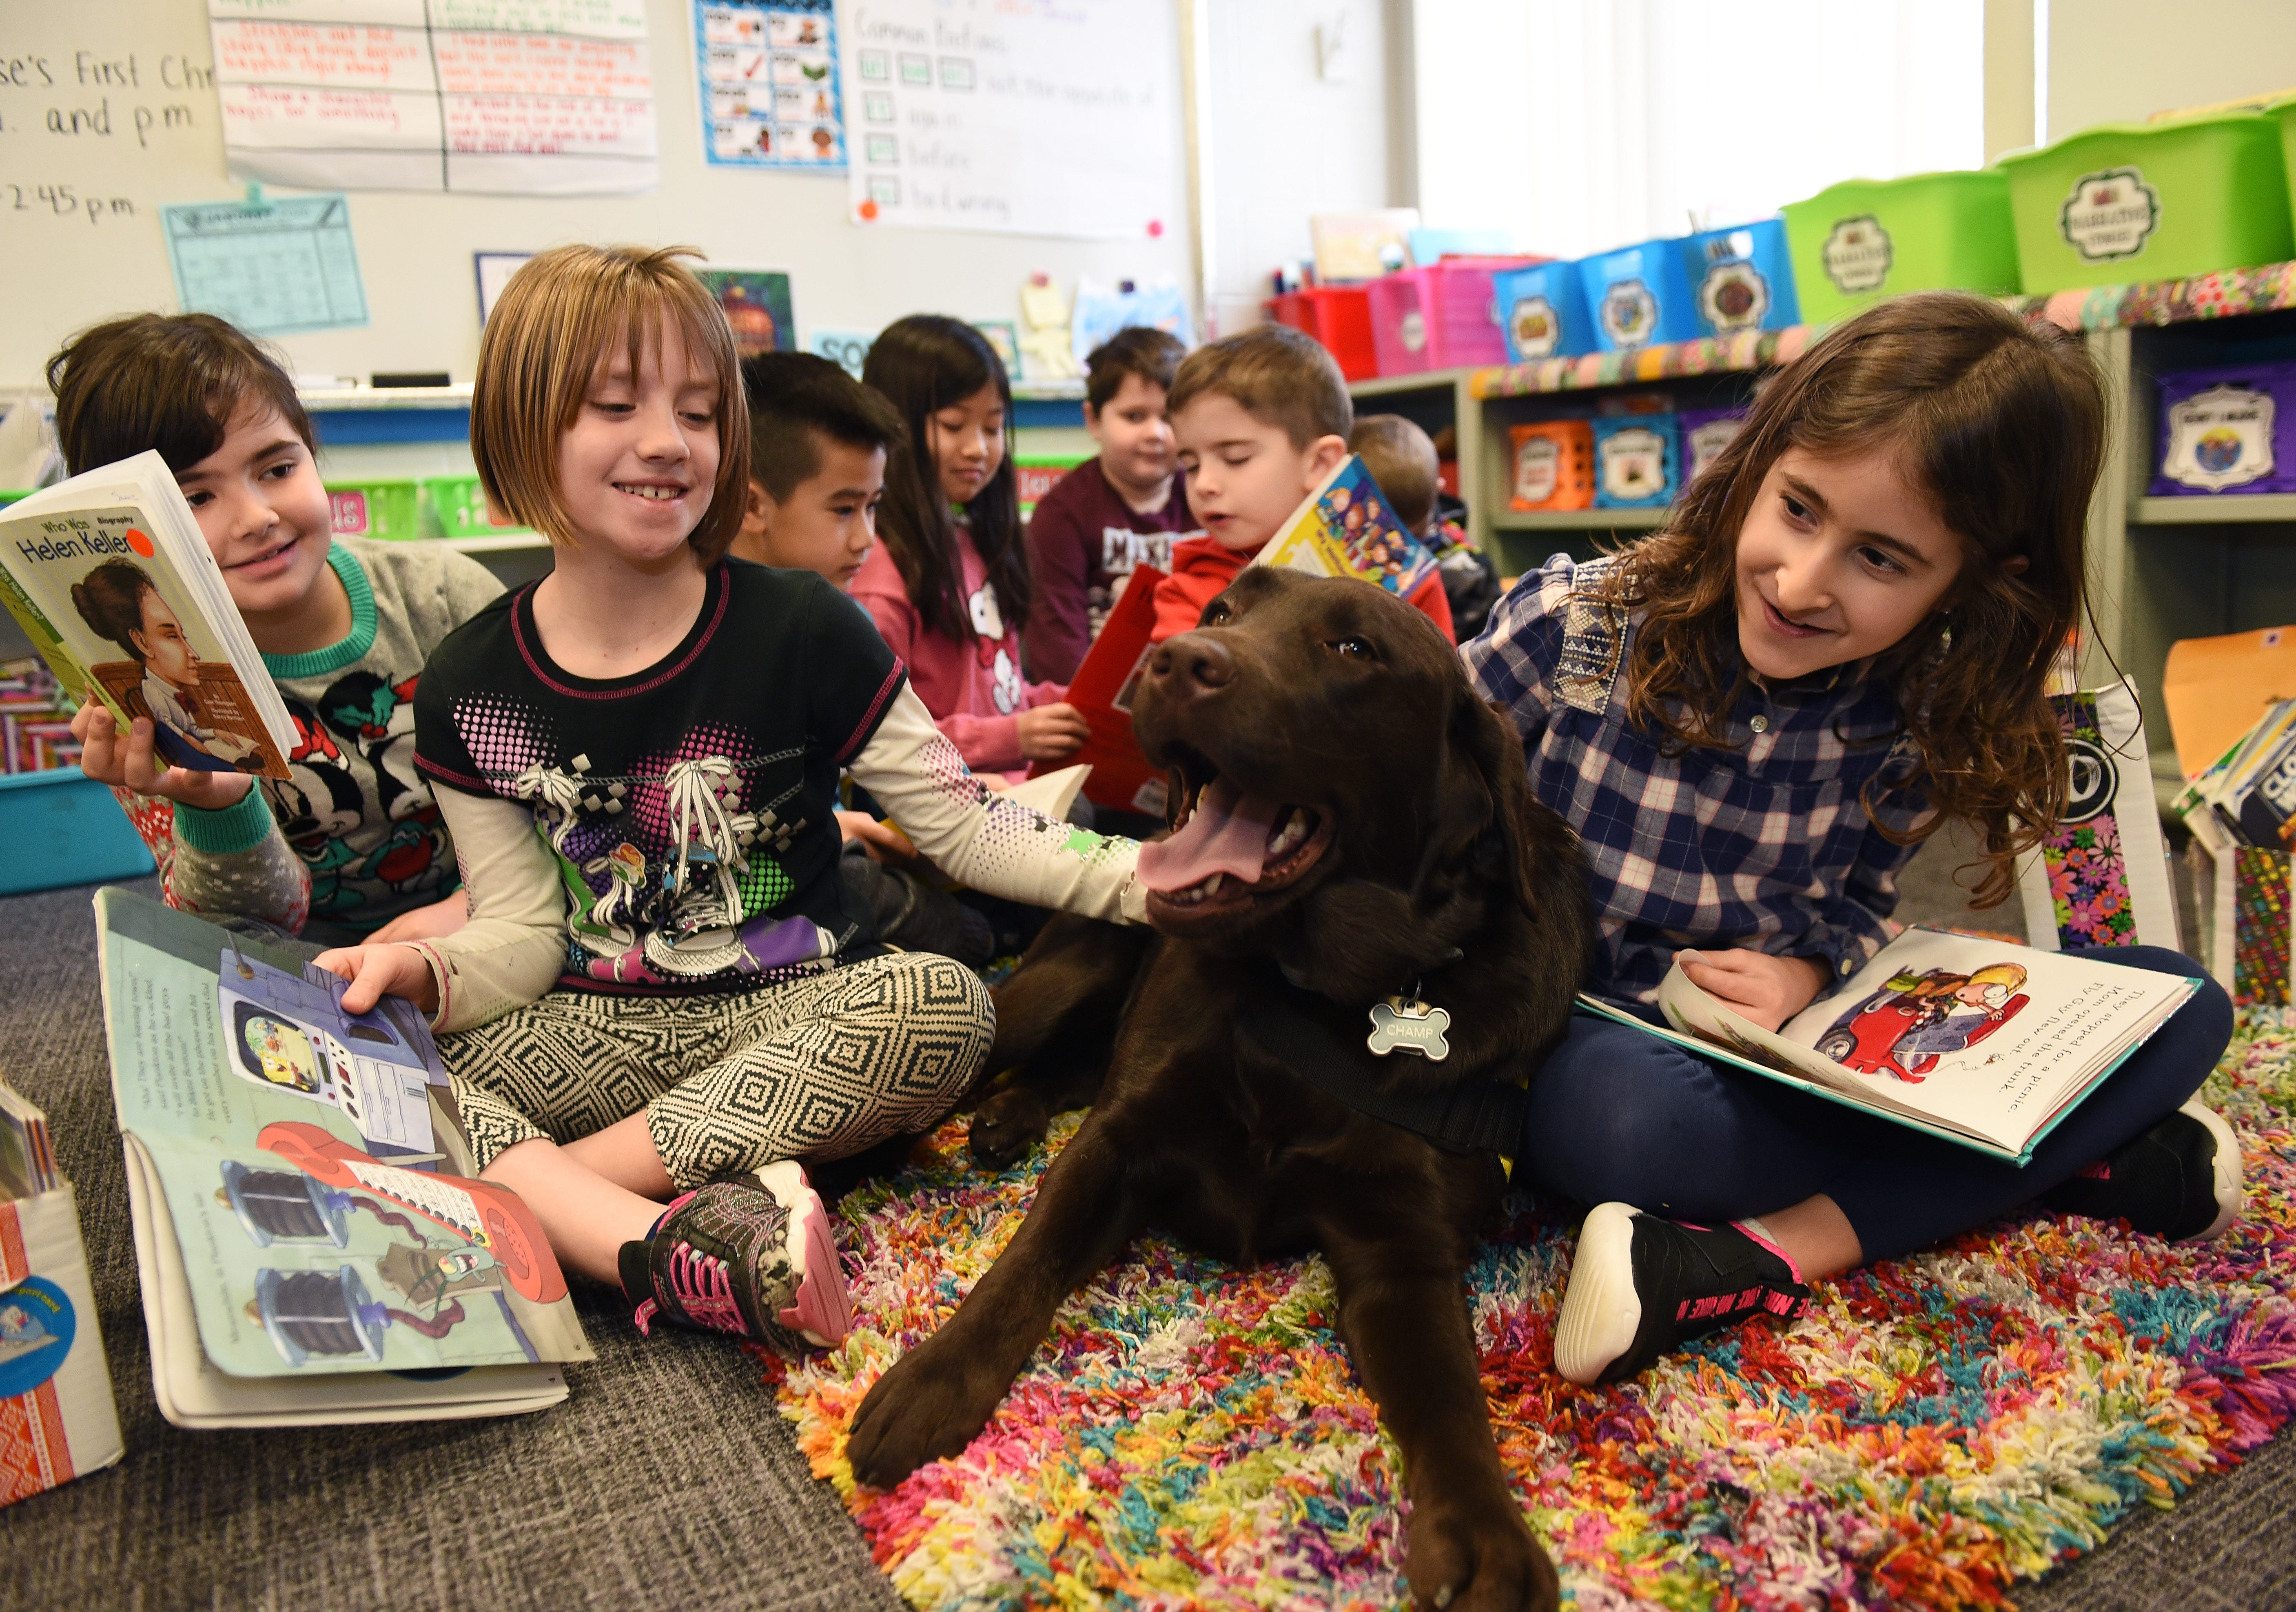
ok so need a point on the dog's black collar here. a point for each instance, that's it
(1299, 1027)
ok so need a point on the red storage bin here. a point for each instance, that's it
(1337, 315)
(1443, 316)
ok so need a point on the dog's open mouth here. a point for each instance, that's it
(1227, 848)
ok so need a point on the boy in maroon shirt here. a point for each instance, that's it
(1113, 512)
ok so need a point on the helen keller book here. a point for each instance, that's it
(313, 1244)
(1344, 528)
(109, 577)
(1981, 1041)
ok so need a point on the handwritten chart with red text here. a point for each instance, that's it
(524, 97)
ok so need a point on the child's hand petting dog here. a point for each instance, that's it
(1754, 984)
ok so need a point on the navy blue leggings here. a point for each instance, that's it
(1616, 1115)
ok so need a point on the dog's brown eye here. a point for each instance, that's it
(1217, 615)
(1355, 648)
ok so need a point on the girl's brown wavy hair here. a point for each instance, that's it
(2001, 423)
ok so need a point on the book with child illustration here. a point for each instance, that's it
(1981, 1041)
(1345, 529)
(313, 1244)
(109, 577)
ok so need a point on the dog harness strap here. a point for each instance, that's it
(1467, 1116)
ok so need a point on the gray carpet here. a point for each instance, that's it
(666, 1481)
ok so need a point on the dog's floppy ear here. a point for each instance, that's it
(1517, 842)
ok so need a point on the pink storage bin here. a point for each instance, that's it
(1443, 316)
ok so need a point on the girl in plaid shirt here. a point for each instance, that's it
(1841, 640)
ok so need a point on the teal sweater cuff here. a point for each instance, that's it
(237, 828)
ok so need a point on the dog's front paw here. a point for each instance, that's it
(926, 1408)
(1007, 1126)
(1469, 1561)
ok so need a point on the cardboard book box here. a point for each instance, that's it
(57, 1419)
(2218, 692)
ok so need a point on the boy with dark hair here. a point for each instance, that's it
(1116, 511)
(1406, 462)
(1261, 417)
(817, 445)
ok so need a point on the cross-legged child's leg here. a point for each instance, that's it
(596, 1108)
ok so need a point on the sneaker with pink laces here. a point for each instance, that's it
(754, 1256)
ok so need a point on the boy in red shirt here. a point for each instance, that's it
(1114, 512)
(1261, 417)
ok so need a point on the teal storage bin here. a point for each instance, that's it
(61, 828)
(2132, 202)
(1638, 295)
(1741, 279)
(1543, 312)
(1638, 462)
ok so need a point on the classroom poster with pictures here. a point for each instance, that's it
(769, 84)
(757, 304)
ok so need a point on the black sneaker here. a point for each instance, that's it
(2181, 1180)
(753, 1256)
(1641, 1287)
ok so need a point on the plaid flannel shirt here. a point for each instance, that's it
(1765, 845)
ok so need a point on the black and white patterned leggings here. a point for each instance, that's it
(819, 1067)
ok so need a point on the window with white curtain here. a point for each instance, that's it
(1583, 125)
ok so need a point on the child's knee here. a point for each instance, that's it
(956, 1017)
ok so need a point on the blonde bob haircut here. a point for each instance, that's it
(542, 348)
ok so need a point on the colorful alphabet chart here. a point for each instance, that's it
(520, 97)
(769, 85)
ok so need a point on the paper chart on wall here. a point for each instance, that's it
(769, 91)
(270, 267)
(521, 97)
(1020, 116)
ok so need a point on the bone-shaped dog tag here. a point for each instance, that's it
(1405, 1024)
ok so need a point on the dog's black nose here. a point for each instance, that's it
(1192, 664)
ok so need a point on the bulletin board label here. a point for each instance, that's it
(769, 84)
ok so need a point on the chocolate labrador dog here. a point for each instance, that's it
(1366, 930)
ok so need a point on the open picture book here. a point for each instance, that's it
(313, 1244)
(109, 578)
(1984, 1042)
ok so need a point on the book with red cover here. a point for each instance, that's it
(1102, 692)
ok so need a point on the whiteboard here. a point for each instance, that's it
(108, 111)
(1002, 116)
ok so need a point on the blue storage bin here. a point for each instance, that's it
(1543, 312)
(61, 826)
(1638, 462)
(1741, 279)
(1638, 295)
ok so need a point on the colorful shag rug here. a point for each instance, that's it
(1940, 1428)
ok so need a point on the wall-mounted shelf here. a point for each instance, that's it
(1579, 520)
(1747, 351)
(1425, 380)
(503, 542)
(2222, 509)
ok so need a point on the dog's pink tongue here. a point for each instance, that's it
(1228, 835)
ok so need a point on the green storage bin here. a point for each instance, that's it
(389, 509)
(459, 503)
(2130, 201)
(2283, 111)
(1855, 242)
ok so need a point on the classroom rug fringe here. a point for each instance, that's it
(1938, 1429)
